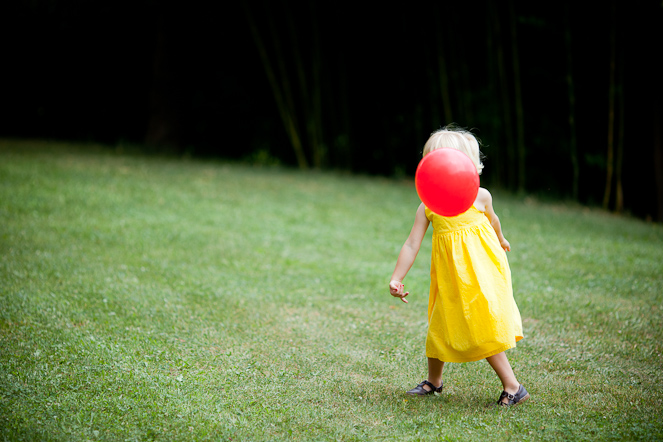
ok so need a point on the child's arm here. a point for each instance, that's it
(485, 199)
(408, 254)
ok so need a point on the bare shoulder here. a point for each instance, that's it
(484, 193)
(484, 200)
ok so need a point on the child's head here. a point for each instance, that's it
(456, 138)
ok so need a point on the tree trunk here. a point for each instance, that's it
(496, 160)
(658, 153)
(318, 143)
(573, 142)
(343, 134)
(619, 190)
(285, 82)
(311, 95)
(466, 94)
(443, 76)
(520, 123)
(657, 132)
(433, 97)
(417, 127)
(301, 73)
(510, 157)
(163, 124)
(611, 116)
(285, 105)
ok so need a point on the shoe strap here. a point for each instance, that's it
(433, 387)
(511, 397)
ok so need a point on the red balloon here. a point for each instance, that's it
(447, 181)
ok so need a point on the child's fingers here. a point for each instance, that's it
(396, 288)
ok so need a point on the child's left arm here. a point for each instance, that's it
(485, 199)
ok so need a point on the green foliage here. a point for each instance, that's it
(157, 299)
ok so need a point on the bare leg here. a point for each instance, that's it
(435, 367)
(501, 365)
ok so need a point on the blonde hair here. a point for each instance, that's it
(456, 138)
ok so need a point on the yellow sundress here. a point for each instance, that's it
(471, 311)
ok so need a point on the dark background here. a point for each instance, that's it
(363, 86)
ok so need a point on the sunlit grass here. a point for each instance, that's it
(154, 298)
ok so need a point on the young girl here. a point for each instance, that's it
(471, 311)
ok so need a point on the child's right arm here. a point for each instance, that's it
(408, 253)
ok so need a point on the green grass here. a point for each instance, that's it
(161, 299)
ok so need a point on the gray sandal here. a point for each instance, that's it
(513, 399)
(419, 390)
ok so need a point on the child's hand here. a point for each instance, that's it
(505, 245)
(396, 289)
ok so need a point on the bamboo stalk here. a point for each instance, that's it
(285, 111)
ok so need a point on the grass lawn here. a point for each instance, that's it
(163, 299)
